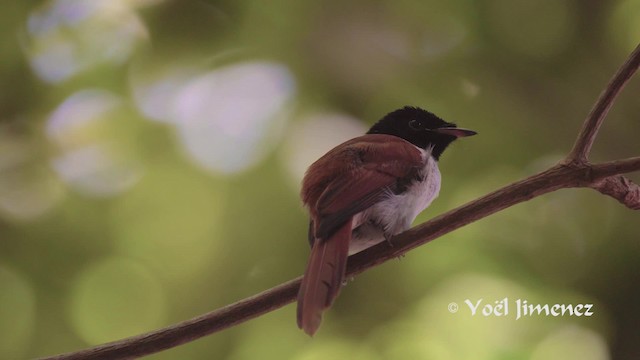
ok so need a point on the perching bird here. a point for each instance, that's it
(365, 191)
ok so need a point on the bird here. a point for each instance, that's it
(363, 192)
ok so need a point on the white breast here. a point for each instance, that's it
(399, 211)
(421, 194)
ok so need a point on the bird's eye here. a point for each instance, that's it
(415, 125)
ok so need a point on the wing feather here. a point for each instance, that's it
(354, 176)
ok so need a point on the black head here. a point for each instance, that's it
(421, 128)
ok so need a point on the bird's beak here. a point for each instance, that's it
(454, 131)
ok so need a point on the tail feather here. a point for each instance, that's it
(323, 278)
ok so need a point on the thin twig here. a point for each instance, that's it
(592, 123)
(615, 167)
(573, 172)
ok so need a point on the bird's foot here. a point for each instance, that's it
(387, 238)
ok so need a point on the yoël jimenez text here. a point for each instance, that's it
(523, 308)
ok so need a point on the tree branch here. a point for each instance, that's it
(620, 188)
(615, 167)
(574, 171)
(594, 120)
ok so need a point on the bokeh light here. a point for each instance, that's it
(155, 88)
(226, 119)
(229, 119)
(115, 298)
(28, 189)
(90, 159)
(70, 36)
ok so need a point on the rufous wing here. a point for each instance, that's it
(354, 176)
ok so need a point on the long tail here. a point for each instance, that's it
(323, 279)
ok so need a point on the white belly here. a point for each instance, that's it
(399, 211)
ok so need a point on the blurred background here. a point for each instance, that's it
(151, 153)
